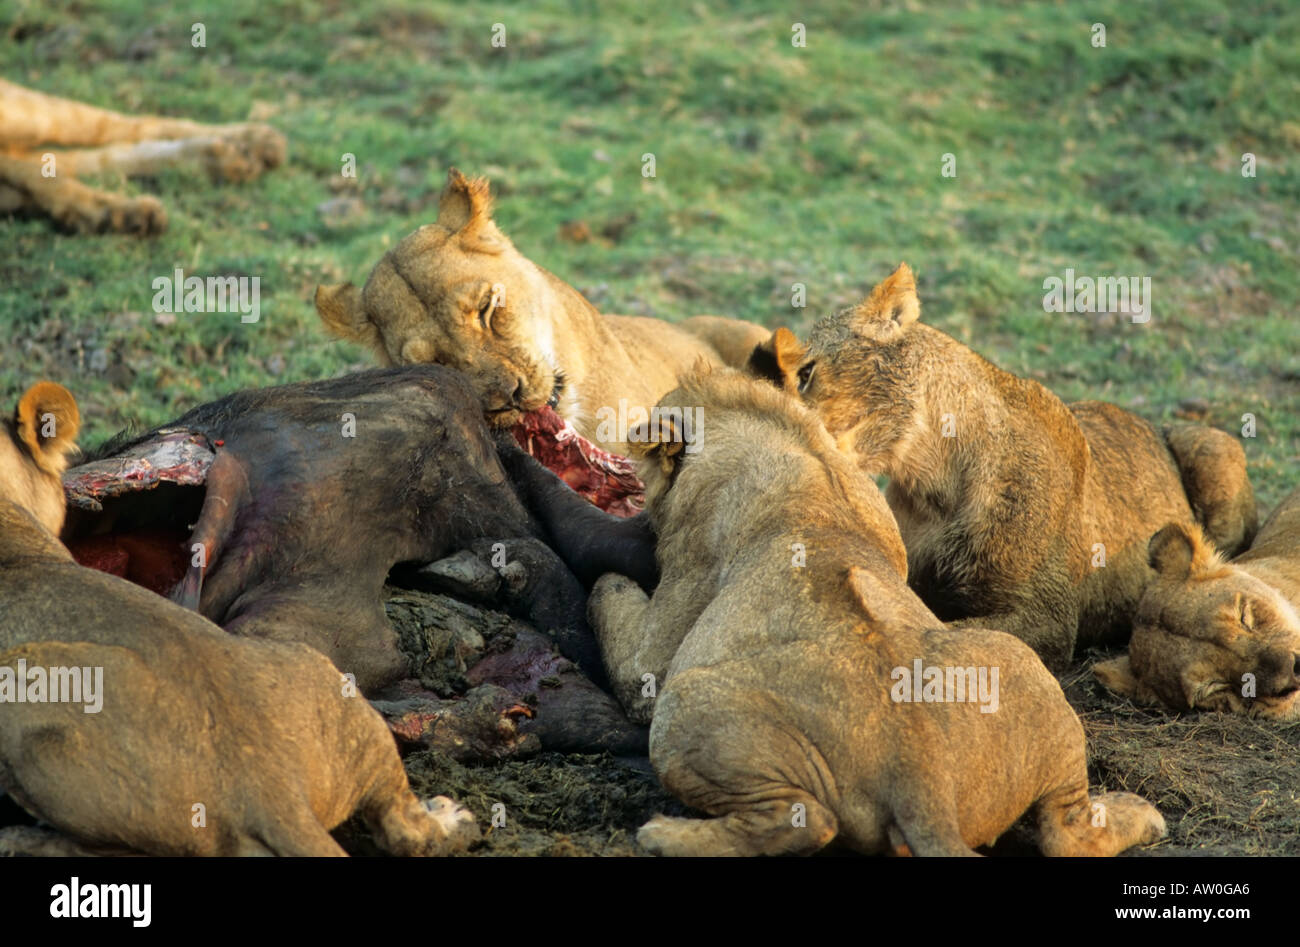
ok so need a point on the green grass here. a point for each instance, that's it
(775, 165)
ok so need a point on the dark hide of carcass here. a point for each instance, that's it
(280, 512)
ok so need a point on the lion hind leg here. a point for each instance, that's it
(1074, 824)
(234, 153)
(34, 118)
(32, 841)
(295, 833)
(928, 828)
(796, 824)
(722, 748)
(73, 205)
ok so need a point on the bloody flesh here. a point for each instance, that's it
(606, 480)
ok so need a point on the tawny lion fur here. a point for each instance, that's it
(268, 738)
(1218, 635)
(37, 179)
(772, 641)
(34, 446)
(1018, 511)
(457, 292)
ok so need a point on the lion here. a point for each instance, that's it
(45, 182)
(34, 448)
(768, 661)
(457, 292)
(1018, 511)
(263, 748)
(1212, 634)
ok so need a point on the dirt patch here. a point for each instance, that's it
(552, 804)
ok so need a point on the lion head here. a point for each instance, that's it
(718, 420)
(1209, 635)
(457, 292)
(34, 448)
(858, 370)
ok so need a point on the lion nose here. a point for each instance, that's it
(517, 396)
(1279, 672)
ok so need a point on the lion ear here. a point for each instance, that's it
(1176, 551)
(47, 421)
(1116, 675)
(663, 446)
(465, 202)
(340, 309)
(892, 304)
(788, 350)
(776, 358)
(870, 592)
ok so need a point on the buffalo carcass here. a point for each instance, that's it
(281, 513)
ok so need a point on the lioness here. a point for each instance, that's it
(779, 638)
(32, 180)
(178, 739)
(1018, 511)
(457, 292)
(1216, 635)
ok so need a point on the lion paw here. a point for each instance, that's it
(101, 212)
(1144, 822)
(457, 823)
(243, 152)
(676, 837)
(659, 836)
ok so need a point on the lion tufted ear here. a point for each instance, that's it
(465, 202)
(892, 304)
(1178, 550)
(47, 422)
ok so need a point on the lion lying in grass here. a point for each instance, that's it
(199, 742)
(1216, 635)
(457, 292)
(776, 638)
(1019, 512)
(45, 182)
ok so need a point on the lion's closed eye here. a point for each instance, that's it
(1244, 614)
(491, 307)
